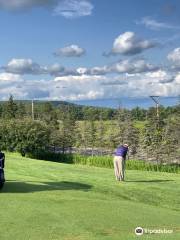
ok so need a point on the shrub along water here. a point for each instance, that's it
(104, 161)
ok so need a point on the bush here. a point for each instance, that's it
(24, 135)
(51, 156)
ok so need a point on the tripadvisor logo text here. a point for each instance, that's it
(140, 231)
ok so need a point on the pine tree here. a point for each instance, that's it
(10, 109)
(21, 110)
(100, 133)
(120, 126)
(67, 130)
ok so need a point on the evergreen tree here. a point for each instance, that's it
(100, 133)
(120, 126)
(1, 110)
(82, 134)
(111, 134)
(10, 108)
(21, 110)
(49, 114)
(66, 130)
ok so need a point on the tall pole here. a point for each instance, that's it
(119, 104)
(156, 100)
(32, 105)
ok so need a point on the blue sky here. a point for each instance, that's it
(89, 49)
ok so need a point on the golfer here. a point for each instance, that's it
(2, 161)
(119, 161)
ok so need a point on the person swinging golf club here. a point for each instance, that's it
(2, 161)
(119, 161)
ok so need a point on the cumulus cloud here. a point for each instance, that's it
(99, 87)
(95, 87)
(25, 89)
(79, 79)
(91, 87)
(161, 76)
(27, 66)
(23, 66)
(9, 77)
(147, 84)
(132, 66)
(81, 70)
(70, 51)
(174, 59)
(78, 87)
(155, 25)
(99, 70)
(115, 81)
(58, 70)
(37, 89)
(123, 66)
(177, 79)
(74, 8)
(65, 8)
(55, 69)
(174, 56)
(16, 5)
(130, 44)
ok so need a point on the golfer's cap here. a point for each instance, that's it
(125, 144)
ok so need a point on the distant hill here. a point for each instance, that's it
(57, 103)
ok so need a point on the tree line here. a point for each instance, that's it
(58, 127)
(54, 110)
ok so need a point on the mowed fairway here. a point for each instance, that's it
(47, 201)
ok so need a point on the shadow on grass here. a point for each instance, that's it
(151, 181)
(29, 187)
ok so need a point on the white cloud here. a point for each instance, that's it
(79, 79)
(99, 70)
(155, 25)
(91, 87)
(177, 79)
(70, 51)
(129, 44)
(58, 70)
(78, 87)
(149, 84)
(27, 66)
(161, 76)
(65, 8)
(5, 92)
(74, 8)
(23, 66)
(115, 81)
(94, 87)
(9, 77)
(25, 4)
(55, 69)
(124, 66)
(25, 89)
(132, 66)
(82, 70)
(174, 56)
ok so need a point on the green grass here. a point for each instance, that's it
(140, 124)
(53, 201)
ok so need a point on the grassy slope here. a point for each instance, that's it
(46, 200)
